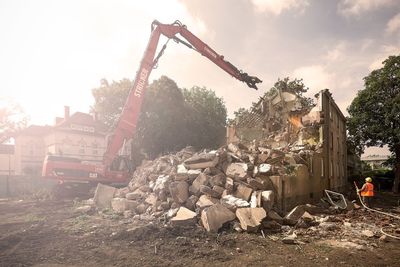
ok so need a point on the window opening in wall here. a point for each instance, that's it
(82, 146)
(95, 148)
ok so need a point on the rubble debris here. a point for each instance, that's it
(213, 217)
(205, 201)
(233, 203)
(294, 215)
(243, 192)
(237, 171)
(179, 191)
(202, 161)
(184, 217)
(268, 198)
(103, 196)
(122, 204)
(250, 218)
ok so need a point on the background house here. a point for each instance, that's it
(79, 135)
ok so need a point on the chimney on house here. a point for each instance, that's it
(66, 112)
(95, 116)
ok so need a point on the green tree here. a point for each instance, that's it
(109, 99)
(161, 119)
(12, 118)
(206, 117)
(374, 114)
(170, 118)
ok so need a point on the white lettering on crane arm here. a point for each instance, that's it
(208, 50)
(141, 82)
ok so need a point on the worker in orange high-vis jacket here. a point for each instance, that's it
(367, 191)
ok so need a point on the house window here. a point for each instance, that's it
(82, 146)
(95, 148)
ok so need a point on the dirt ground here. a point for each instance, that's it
(51, 233)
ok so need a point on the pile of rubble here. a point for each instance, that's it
(231, 184)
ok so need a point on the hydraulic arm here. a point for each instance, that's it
(130, 114)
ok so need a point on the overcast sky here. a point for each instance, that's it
(52, 53)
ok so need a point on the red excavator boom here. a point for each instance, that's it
(111, 171)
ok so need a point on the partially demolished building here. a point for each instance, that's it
(313, 143)
(281, 156)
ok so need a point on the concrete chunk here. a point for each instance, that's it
(215, 216)
(202, 161)
(184, 217)
(137, 194)
(205, 201)
(103, 196)
(218, 180)
(294, 215)
(179, 191)
(250, 218)
(232, 202)
(268, 198)
(237, 171)
(255, 200)
(273, 215)
(201, 179)
(210, 192)
(243, 192)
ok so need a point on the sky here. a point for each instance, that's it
(53, 53)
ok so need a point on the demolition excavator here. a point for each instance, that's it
(114, 168)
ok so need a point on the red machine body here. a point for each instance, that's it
(115, 169)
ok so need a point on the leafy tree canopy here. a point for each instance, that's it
(12, 118)
(374, 114)
(170, 119)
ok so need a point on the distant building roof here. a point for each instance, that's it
(82, 119)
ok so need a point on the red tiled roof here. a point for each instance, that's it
(81, 118)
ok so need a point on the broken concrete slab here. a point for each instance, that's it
(218, 180)
(121, 192)
(213, 217)
(202, 161)
(137, 194)
(294, 215)
(179, 191)
(219, 189)
(264, 168)
(201, 179)
(151, 199)
(243, 192)
(206, 190)
(191, 202)
(273, 215)
(184, 217)
(250, 218)
(229, 185)
(103, 196)
(268, 199)
(205, 201)
(255, 199)
(232, 202)
(237, 171)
